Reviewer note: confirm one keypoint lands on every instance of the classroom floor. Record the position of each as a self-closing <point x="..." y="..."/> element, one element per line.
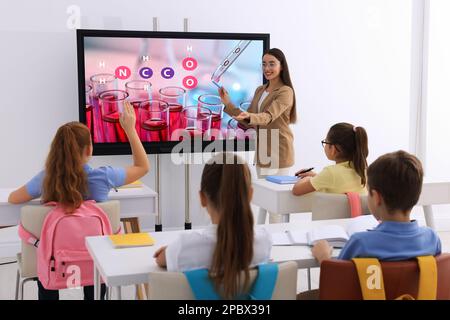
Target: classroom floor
<point x="8" y="277"/>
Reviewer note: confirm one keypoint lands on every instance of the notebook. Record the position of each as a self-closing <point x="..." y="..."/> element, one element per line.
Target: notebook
<point x="130" y="240"/>
<point x="135" y="184"/>
<point x="336" y="235"/>
<point x="283" y="179"/>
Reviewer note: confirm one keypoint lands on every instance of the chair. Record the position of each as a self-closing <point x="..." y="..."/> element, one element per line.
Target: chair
<point x="32" y="219"/>
<point x="334" y="206"/>
<point x="339" y="279"/>
<point x="174" y="285"/>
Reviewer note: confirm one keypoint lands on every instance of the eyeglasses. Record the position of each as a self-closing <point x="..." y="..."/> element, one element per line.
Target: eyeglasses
<point x="324" y="142"/>
<point x="270" y="65"/>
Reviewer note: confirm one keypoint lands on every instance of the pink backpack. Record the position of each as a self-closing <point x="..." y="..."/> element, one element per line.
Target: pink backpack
<point x="62" y="258"/>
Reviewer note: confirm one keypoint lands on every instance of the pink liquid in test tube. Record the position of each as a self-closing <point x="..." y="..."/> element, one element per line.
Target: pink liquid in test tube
<point x="100" y="83"/>
<point x="154" y="118"/>
<point x="196" y="121"/>
<point x="138" y="91"/>
<point x="176" y="99"/>
<point x="215" y="105"/>
<point x="89" y="113"/>
<point x="112" y="104"/>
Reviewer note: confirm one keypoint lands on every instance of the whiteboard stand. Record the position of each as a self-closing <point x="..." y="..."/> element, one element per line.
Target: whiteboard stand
<point x="158" y="223"/>
<point x="187" y="189"/>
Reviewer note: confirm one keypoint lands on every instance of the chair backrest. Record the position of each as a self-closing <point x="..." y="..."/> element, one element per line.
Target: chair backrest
<point x="334" y="206"/>
<point x="339" y="279"/>
<point x="174" y="285"/>
<point x="32" y="218"/>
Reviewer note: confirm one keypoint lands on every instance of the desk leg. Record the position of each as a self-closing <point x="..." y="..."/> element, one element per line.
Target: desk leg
<point x="429" y="217"/>
<point x="119" y="292"/>
<point x="97" y="284"/>
<point x="131" y="225"/>
<point x="262" y="214"/>
<point x="308" y="274"/>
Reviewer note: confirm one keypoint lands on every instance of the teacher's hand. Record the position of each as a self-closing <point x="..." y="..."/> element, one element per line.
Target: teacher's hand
<point x="242" y="116"/>
<point x="224" y="96"/>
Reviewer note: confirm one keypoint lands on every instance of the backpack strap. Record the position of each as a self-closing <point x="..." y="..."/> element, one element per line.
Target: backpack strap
<point x="27" y="236"/>
<point x="355" y="204"/>
<point x="201" y="286"/>
<point x="427" y="278"/>
<point x="262" y="289"/>
<point x="372" y="285"/>
<point x="370" y="278"/>
<point x="265" y="282"/>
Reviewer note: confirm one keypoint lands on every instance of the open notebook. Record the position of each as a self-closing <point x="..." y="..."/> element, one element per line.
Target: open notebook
<point x="336" y="235"/>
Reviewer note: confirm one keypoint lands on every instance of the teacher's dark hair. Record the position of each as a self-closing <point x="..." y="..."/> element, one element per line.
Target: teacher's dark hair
<point x="285" y="77"/>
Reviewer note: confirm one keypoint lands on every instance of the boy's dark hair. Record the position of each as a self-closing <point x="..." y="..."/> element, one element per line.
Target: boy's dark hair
<point x="398" y="177"/>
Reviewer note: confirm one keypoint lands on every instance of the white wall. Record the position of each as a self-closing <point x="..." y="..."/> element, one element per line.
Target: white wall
<point x="349" y="60"/>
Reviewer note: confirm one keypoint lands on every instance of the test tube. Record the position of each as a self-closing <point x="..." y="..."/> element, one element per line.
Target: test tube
<point x="89" y="113"/>
<point x="138" y="91"/>
<point x="154" y="118"/>
<point x="196" y="121"/>
<point x="176" y="99"/>
<point x="112" y="104"/>
<point x="215" y="105"/>
<point x="100" y="82"/>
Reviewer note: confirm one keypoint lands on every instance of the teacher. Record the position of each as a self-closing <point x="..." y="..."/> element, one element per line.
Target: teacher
<point x="272" y="108"/>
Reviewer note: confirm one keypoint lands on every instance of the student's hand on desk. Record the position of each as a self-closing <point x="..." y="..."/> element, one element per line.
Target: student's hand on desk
<point x="224" y="96"/>
<point x="160" y="256"/>
<point x="322" y="251"/>
<point x="242" y="116"/>
<point x="305" y="174"/>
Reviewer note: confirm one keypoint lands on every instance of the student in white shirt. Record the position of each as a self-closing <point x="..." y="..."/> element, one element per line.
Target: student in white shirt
<point x="231" y="244"/>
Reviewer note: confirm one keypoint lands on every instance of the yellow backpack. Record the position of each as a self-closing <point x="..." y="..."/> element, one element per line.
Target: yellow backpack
<point x="371" y="279"/>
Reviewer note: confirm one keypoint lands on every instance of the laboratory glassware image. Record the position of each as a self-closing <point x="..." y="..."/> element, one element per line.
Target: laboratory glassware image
<point x="176" y="99"/>
<point x="154" y="120"/>
<point x="138" y="91"/>
<point x="157" y="72"/>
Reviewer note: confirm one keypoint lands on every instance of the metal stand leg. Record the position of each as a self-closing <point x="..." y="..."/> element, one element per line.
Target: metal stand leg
<point x="308" y="274"/>
<point x="97" y="284"/>
<point x="187" y="222"/>
<point x="17" y="285"/>
<point x="119" y="292"/>
<point x="158" y="224"/>
<point x="22" y="289"/>
<point x="429" y="217"/>
<point x="187" y="218"/>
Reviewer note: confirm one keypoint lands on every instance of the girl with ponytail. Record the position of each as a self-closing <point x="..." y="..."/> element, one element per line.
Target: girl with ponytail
<point x="347" y="145"/>
<point x="69" y="180"/>
<point x="230" y="246"/>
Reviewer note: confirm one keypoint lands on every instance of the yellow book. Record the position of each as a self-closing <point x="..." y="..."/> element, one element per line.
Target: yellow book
<point x="130" y="240"/>
<point x="135" y="184"/>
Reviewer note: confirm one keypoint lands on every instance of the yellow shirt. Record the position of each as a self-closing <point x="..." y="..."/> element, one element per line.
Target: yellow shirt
<point x="338" y="178"/>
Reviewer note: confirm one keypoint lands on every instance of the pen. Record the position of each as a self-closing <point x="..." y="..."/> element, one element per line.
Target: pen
<point x="305" y="171"/>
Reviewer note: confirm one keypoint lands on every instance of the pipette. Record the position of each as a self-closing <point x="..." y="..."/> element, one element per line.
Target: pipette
<point x="228" y="61"/>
